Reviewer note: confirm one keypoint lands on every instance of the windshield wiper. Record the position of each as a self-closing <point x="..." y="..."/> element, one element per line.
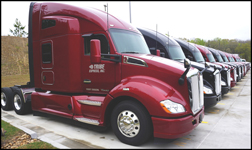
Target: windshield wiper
<point x="131" y="52"/>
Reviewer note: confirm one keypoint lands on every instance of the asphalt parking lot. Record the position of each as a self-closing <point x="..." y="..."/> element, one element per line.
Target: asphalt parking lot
<point x="226" y="125"/>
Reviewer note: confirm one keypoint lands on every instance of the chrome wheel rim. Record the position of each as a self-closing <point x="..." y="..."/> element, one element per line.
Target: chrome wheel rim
<point x="128" y="123"/>
<point x="17" y="102"/>
<point x="3" y="99"/>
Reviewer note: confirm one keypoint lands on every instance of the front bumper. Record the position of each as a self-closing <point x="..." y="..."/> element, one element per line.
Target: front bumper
<point x="233" y="83"/>
<point x="210" y="101"/>
<point x="176" y="128"/>
<point x="224" y="89"/>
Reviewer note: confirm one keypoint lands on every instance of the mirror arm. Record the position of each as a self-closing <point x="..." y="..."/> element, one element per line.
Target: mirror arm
<point x="182" y="78"/>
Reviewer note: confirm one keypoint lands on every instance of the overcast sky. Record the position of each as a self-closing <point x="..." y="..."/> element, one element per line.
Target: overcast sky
<point x="205" y="20"/>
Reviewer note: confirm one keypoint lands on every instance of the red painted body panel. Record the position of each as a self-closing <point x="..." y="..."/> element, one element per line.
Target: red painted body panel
<point x="175" y="128"/>
<point x="88" y="111"/>
<point x="52" y="104"/>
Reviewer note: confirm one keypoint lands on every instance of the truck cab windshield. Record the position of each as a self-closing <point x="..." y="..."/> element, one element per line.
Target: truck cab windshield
<point x="219" y="58"/>
<point x="210" y="57"/>
<point x="225" y="58"/>
<point x="175" y="52"/>
<point x="231" y="59"/>
<point x="198" y="56"/>
<point x="129" y="42"/>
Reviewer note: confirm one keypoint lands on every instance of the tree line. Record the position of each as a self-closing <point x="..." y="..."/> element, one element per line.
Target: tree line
<point x="233" y="46"/>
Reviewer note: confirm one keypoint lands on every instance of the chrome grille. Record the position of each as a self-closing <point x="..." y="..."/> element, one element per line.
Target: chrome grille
<point x="235" y="74"/>
<point x="196" y="84"/>
<point x="239" y="72"/>
<point x="228" y="77"/>
<point x="217" y="81"/>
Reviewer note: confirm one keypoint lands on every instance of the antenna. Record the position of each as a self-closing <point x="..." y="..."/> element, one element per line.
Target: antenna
<point x="108" y="28"/>
<point x="156" y="36"/>
<point x="130" y="10"/>
<point x="168" y="41"/>
<point x="107" y="17"/>
<point x="188" y="44"/>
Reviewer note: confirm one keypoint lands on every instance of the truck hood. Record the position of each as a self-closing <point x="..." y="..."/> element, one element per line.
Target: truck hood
<point x="160" y="61"/>
<point x="222" y="64"/>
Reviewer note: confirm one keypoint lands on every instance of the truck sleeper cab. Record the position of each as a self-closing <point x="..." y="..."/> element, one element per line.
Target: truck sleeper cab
<point x="103" y="74"/>
<point x="219" y="59"/>
<point x="170" y="49"/>
<point x="225" y="72"/>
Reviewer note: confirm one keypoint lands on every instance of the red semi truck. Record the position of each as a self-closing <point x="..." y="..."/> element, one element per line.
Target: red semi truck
<point x="91" y="67"/>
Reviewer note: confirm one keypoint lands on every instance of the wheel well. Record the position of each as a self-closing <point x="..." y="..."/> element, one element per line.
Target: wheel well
<point x="116" y="101"/>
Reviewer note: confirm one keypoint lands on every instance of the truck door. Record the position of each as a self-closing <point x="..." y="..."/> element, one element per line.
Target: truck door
<point x="97" y="78"/>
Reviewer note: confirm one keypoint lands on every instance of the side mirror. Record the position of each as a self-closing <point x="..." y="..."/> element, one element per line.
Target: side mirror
<point x="158" y="52"/>
<point x="207" y="65"/>
<point x="187" y="63"/>
<point x="95" y="51"/>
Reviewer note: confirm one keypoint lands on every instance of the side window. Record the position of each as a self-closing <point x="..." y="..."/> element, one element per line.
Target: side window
<point x="103" y="41"/>
<point x="48" y="23"/>
<point x="152" y="44"/>
<point x="47" y="53"/>
<point x="188" y="54"/>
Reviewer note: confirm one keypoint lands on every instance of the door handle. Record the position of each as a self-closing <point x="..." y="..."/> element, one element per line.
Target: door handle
<point x="87" y="81"/>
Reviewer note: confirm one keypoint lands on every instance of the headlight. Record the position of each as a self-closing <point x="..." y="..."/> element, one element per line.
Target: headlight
<point x="223" y="83"/>
<point x="231" y="79"/>
<point x="207" y="90"/>
<point x="172" y="107"/>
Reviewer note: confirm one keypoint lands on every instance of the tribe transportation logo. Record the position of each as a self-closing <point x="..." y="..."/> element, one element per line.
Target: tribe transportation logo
<point x="97" y="68"/>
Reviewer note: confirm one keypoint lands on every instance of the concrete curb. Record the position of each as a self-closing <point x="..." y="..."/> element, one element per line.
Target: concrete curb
<point x="34" y="135"/>
<point x="53" y="143"/>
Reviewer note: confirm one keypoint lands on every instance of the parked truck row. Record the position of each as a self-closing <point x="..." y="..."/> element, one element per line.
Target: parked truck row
<point x="91" y="67"/>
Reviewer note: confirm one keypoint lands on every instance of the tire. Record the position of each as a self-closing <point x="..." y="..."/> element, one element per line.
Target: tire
<point x="6" y="98"/>
<point x="19" y="106"/>
<point x="136" y="126"/>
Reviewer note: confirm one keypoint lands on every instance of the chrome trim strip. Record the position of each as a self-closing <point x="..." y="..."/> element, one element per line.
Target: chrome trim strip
<point x="217" y="79"/>
<point x="228" y="77"/>
<point x="89" y="121"/>
<point x="126" y="58"/>
<point x="235" y="74"/>
<point x="89" y="102"/>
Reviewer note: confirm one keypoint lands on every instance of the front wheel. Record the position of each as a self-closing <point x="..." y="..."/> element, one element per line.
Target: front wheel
<point x="131" y="123"/>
